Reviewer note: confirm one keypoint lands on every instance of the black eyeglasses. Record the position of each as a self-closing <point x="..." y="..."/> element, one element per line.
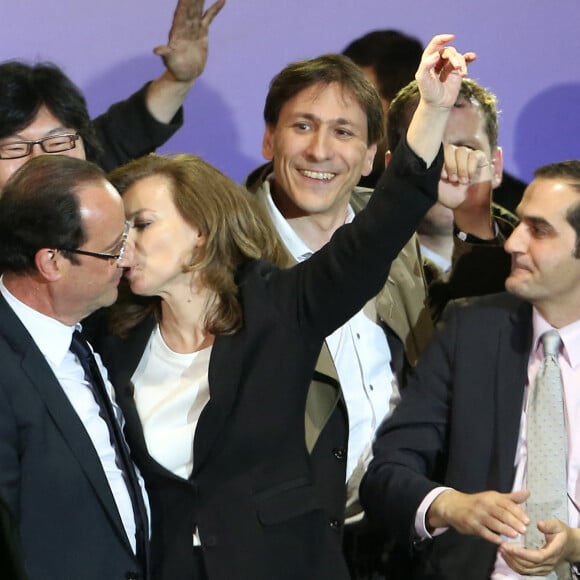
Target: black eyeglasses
<point x="118" y="257"/>
<point x="50" y="144"/>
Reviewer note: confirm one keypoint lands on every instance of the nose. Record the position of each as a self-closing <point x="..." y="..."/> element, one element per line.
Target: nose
<point x="128" y="258"/>
<point x="36" y="151"/>
<point x="319" y="146"/>
<point x="516" y="243"/>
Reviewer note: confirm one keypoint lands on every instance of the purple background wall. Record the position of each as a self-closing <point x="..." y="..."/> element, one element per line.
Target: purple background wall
<point x="528" y="55"/>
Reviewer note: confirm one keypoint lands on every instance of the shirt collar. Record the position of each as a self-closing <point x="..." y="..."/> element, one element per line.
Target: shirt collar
<point x="569" y="334"/>
<point x="294" y="244"/>
<point x="52" y="337"/>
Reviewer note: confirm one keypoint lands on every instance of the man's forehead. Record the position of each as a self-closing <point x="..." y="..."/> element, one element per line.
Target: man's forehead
<point x="467" y="123"/>
<point x="315" y="94"/>
<point x="548" y="196"/>
<point x="44" y="123"/>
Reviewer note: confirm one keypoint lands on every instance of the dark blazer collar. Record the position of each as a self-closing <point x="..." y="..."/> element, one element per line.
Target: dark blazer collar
<point x="255" y="179"/>
<point x="223" y="390"/>
<point x="66" y="420"/>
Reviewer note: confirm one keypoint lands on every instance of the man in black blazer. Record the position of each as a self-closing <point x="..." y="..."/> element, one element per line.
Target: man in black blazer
<point x="448" y="478"/>
<point x="40" y="106"/>
<point x="64" y="247"/>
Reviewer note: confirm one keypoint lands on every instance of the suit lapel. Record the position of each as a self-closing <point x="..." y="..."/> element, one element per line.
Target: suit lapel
<point x="514" y="349"/>
<point x="323" y="396"/>
<point x="62" y="413"/>
<point x="406" y="286"/>
<point x="122" y="359"/>
<point x="223" y="391"/>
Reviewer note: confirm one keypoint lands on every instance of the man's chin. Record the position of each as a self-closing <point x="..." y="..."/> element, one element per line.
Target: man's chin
<point x="518" y="287"/>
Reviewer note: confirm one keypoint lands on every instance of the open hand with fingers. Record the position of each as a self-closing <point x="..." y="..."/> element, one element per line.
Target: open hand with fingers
<point x="441" y="70"/>
<point x="185" y="54"/>
<point x="439" y="79"/>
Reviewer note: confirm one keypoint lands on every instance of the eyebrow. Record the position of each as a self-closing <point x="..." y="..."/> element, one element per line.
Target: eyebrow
<point x="133" y="215"/>
<point x="535" y="220"/>
<point x="55" y="131"/>
<point x="311" y="117"/>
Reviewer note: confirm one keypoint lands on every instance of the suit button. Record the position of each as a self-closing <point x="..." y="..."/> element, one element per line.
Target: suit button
<point x="335" y="524"/>
<point x="339" y="453"/>
<point x="210" y="542"/>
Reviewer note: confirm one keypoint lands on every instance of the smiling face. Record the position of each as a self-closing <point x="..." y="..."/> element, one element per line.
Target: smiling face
<point x="164" y="242"/>
<point x="545" y="270"/>
<point x="319" y="149"/>
<point x="45" y="124"/>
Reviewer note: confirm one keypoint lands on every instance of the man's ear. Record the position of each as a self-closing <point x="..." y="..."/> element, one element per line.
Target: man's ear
<point x="497" y="164"/>
<point x="268" y="143"/>
<point x="370" y="157"/>
<point x="388" y="157"/>
<point x="49" y="264"/>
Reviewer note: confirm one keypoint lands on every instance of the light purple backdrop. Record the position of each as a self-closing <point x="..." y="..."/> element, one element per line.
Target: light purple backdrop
<point x="528" y="55"/>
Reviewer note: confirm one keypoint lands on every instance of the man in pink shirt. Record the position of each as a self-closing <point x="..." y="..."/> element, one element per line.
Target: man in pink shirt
<point x="449" y="475"/>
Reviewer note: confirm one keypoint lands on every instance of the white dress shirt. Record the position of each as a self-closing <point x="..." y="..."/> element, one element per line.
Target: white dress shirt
<point x="53" y="339"/>
<point x="360" y="352"/>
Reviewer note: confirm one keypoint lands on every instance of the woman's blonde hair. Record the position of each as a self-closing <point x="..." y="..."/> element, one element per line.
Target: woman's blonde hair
<point x="233" y="224"/>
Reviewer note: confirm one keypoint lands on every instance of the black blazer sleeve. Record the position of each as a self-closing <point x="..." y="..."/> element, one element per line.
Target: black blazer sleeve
<point x="127" y="130"/>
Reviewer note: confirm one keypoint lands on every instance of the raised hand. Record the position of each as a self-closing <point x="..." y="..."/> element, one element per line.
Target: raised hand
<point x="185" y="54"/>
<point x="439" y="80"/>
<point x="441" y="70"/>
<point x="463" y="168"/>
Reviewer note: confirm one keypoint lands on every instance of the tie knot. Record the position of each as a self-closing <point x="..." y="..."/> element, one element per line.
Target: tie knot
<point x="551" y="342"/>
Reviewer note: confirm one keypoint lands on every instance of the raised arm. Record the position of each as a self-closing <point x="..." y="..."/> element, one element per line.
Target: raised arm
<point x="184" y="56"/>
<point x="147" y="119"/>
<point x="358" y="258"/>
<point x="439" y="80"/>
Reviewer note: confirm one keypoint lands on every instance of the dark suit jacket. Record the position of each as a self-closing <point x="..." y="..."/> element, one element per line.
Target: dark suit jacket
<point x="457" y="425"/>
<point x="50" y="475"/>
<point x="251" y="493"/>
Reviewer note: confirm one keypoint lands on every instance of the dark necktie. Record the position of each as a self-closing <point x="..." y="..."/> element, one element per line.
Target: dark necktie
<point x="81" y="349"/>
<point x="546" y="441"/>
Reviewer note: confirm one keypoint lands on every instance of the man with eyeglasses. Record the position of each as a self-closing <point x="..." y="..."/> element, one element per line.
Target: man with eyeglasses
<point x="65" y="472"/>
<point x="42" y="111"/>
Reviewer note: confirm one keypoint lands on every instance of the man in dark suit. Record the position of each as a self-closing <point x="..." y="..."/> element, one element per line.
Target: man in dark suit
<point x="64" y="246"/>
<point x="449" y="474"/>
